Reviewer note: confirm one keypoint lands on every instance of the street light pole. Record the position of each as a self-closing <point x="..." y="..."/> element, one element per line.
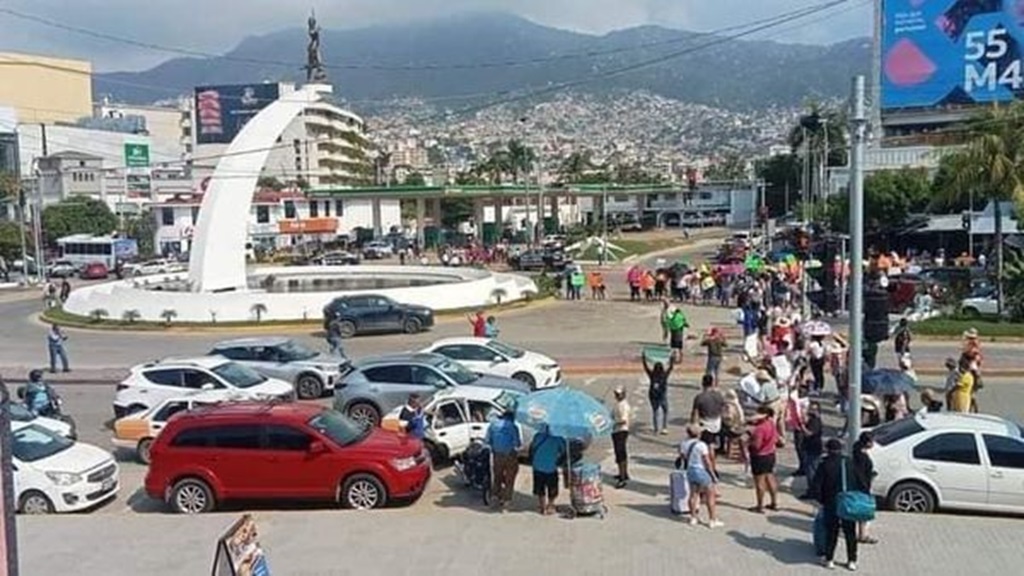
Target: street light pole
<point x="858" y="124"/>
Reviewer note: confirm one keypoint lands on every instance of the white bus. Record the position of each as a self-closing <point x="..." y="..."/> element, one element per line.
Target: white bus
<point x="83" y="249"/>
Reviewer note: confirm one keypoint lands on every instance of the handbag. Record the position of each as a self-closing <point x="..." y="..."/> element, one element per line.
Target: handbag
<point x="853" y="505"/>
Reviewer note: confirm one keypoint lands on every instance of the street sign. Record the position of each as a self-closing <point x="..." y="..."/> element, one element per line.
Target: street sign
<point x="136" y="155"/>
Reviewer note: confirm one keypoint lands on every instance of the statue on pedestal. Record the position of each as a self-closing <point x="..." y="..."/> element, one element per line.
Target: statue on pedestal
<point x="315" y="72"/>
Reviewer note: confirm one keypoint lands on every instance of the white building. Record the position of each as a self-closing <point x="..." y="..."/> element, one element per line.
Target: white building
<point x="277" y="220"/>
<point x="879" y="159"/>
<point x="168" y="127"/>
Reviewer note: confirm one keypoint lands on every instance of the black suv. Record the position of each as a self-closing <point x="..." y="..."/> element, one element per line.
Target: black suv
<point x="369" y="313"/>
<point x="539" y="260"/>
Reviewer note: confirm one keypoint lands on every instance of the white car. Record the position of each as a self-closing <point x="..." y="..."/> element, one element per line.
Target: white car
<point x="456" y="416"/>
<point x="158" y="266"/>
<point x="981" y="304"/>
<point x="56" y="474"/>
<point x="950" y="460"/>
<point x="489" y="356"/>
<point x="151" y="384"/>
<point x="21" y="415"/>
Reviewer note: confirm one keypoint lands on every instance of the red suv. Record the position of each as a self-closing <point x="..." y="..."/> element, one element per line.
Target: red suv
<point x="249" y="451"/>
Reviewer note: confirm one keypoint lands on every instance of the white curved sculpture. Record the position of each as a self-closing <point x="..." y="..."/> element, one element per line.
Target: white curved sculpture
<point x="217" y="259"/>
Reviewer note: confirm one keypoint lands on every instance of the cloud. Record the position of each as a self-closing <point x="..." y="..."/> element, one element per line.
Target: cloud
<point x="218" y="25"/>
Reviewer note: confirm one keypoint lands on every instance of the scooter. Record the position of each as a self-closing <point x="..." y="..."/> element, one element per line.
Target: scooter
<point x="54" y="408"/>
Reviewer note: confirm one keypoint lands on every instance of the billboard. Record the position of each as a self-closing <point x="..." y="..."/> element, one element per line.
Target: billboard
<point x="222" y="111"/>
<point x="951" y="52"/>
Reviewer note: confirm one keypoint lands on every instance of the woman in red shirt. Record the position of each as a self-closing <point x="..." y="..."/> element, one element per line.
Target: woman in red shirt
<point x="764" y="437"/>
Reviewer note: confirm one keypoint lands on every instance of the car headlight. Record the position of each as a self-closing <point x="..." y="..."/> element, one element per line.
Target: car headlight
<point x="548" y="366"/>
<point x="64" y="478"/>
<point x="403" y="464"/>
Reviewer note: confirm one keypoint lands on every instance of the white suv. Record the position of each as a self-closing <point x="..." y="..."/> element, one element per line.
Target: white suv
<point x="150" y="384"/>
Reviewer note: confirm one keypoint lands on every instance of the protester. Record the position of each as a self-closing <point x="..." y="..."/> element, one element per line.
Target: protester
<point x="960" y="396"/>
<point x="411" y="417"/>
<point x="56" y="339"/>
<point x="902" y="338"/>
<point x="622" y="415"/>
<point x="701" y="474"/>
<point x="732" y="423"/>
<point x="504" y="439"/>
<point x="716" y="344"/>
<point x="633" y="279"/>
<point x="491" y="329"/>
<point x="707" y="410"/>
<point x="827" y="485"/>
<point x="816" y="359"/>
<point x="65" y="290"/>
<point x="334" y="339"/>
<point x="676" y="324"/>
<point x="577" y="279"/>
<point x="545" y="452"/>
<point x="764" y="437"/>
<point x="657" y="393"/>
<point x="864" y="473"/>
<point x="479" y="324"/>
<point x="812" y="445"/>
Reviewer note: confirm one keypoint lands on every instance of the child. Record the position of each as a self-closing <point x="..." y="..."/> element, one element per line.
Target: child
<point x="491" y="328"/>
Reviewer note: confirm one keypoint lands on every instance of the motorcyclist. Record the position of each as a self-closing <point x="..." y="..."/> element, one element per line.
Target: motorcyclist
<point x="38" y="396"/>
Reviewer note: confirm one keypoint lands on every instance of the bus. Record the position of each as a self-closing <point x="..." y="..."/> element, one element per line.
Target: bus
<point x="83" y="249"/>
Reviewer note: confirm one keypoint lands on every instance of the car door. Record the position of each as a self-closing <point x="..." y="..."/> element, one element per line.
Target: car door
<point x="387" y="315"/>
<point x="951" y="460"/>
<point x="1005" y="472"/>
<point x="158" y="385"/>
<point x="480" y="415"/>
<point x="391" y="385"/>
<point x="450" y="425"/>
<point x="267" y="361"/>
<point x="195" y="380"/>
<point x="294" y="470"/>
<point x="230" y="455"/>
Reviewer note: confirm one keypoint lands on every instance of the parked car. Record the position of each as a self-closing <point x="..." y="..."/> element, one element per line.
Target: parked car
<point x="136" y="432"/>
<point x="21" y="414"/>
<point x="538" y="260"/>
<point x="337" y="259"/>
<point x="489" y="356"/>
<point x="281" y="451"/>
<point x="25" y="267"/>
<point x="376" y="386"/>
<point x="949" y="460"/>
<point x="378" y="250"/>
<point x="61" y="269"/>
<point x="982" y="302"/>
<point x="94" y="271"/>
<point x="457" y="416"/>
<point x="311" y="372"/>
<point x="152" y="383"/>
<point x="53" y="473"/>
<point x="158" y="266"/>
<point x="369" y="313"/>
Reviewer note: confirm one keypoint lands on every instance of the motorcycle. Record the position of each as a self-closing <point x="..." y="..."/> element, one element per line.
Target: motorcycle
<point x="54" y="407"/>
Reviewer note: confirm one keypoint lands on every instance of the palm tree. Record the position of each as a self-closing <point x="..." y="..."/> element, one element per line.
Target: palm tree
<point x="98" y="314"/>
<point x="991" y="166"/>
<point x="575" y="166"/>
<point x="521" y="159"/>
<point x="258" y="310"/>
<point x="818" y="130"/>
<point x="169" y="316"/>
<point x="131" y="316"/>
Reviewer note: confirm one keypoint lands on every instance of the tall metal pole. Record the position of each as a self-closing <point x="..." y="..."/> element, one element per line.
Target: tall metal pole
<point x="858" y="124"/>
<point x="8" y="530"/>
<point x="876" y="74"/>
<point x="970" y="223"/>
<point x="604" y="226"/>
<point x="805" y="185"/>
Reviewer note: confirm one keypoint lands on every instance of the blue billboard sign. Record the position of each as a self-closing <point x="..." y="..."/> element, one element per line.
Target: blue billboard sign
<point x="951" y="52"/>
<point x="222" y="111"/>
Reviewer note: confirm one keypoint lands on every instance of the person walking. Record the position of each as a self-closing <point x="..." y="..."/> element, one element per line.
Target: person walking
<point x="505" y="441"/>
<point x="622" y="416"/>
<point x="715" y="342"/>
<point x="902" y="338"/>
<point x="411" y="418"/>
<point x="816" y="359"/>
<point x="657" y="393"/>
<point x="479" y="324"/>
<point x="764" y="437"/>
<point x="864" y="475"/>
<point x="707" y="410"/>
<point x="701" y="474"/>
<point x="835" y="473"/>
<point x="65" y="290"/>
<point x="55" y="340"/>
<point x="578" y="280"/>
<point x="545" y="452"/>
<point x="334" y="339"/>
<point x="677" y="324"/>
<point x="812" y="445"/>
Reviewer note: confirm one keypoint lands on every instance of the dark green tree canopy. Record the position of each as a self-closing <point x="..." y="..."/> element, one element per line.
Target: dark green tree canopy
<point x="77" y="215"/>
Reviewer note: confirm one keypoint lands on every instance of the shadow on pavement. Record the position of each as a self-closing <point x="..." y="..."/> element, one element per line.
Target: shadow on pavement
<point x="661" y="511"/>
<point x="798" y="523"/>
<point x="789" y="551"/>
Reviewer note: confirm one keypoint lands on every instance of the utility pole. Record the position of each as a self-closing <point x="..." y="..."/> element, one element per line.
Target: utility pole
<point x="858" y="125"/>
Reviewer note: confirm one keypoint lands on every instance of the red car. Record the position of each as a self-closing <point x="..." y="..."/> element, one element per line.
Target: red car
<point x="94" y="271"/>
<point x="255" y="451"/>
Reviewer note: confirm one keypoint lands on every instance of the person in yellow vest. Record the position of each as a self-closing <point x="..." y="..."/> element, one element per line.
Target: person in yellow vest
<point x="960" y="398"/>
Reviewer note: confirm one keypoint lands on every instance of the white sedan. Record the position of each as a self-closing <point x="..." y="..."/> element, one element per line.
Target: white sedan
<point x="488" y="356"/>
<point x="949" y="460"/>
<point x="56" y="474"/>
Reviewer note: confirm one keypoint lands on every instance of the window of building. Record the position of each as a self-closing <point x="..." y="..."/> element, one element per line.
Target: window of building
<point x="167" y="216"/>
<point x="339" y="208"/>
<point x="314" y="209"/>
<point x="327" y="208"/>
<point x="262" y="214"/>
<point x="195" y="215"/>
<point x="289" y="209"/>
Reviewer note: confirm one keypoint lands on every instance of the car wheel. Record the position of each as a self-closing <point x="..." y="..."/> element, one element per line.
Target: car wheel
<point x="526" y="378"/>
<point x="365" y="413"/>
<point x="191" y="496"/>
<point x="346" y="328"/>
<point x="35" y="502"/>
<point x="971" y="313"/>
<point x="412" y="326"/>
<point x="438" y="453"/>
<point x="309" y="387"/>
<point x="912" y="497"/>
<point x="363" y="492"/>
<point x="143" y="450"/>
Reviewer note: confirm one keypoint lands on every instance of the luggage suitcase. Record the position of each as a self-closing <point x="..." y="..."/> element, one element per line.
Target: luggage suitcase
<point x="819" y="533"/>
<point x="679" y="492"/>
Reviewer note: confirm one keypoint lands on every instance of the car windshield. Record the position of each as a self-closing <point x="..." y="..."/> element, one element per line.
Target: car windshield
<point x="239" y="376"/>
<point x="33" y="443"/>
<point x="457" y="372"/>
<point x="506" y="349"/>
<point x="895" y="431"/>
<point x="292" y="351"/>
<point x="338" y="427"/>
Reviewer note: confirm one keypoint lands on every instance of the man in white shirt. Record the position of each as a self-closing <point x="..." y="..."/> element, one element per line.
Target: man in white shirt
<point x="622" y="417"/>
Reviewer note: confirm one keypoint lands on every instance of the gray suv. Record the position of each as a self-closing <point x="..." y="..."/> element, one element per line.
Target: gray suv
<point x="375" y="386"/>
<point x="311" y="372"/>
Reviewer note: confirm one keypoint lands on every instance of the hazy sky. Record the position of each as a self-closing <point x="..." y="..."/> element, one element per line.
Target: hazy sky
<point x="218" y="25"/>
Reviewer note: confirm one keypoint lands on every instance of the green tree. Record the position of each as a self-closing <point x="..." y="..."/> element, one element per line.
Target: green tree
<point x="270" y="182"/>
<point x="10" y="241"/>
<point x="521" y="160"/>
<point x="821" y="129"/>
<point x="575" y="167"/>
<point x="781" y="176"/>
<point x="732" y="167"/>
<point x="414" y="179"/>
<point x="142" y="229"/>
<point x="77" y="215"/>
<point x="890" y="196"/>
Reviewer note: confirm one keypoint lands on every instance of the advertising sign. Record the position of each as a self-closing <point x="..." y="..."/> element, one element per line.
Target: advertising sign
<point x="222" y="111"/>
<point x="239" y="552"/>
<point x="951" y="52"/>
<point x="136" y="155"/>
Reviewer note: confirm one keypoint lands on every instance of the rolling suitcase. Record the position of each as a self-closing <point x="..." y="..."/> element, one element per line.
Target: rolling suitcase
<point x="819" y="533"/>
<point x="679" y="492"/>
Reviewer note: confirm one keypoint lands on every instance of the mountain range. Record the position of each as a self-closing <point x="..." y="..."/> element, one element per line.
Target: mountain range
<point x="477" y="57"/>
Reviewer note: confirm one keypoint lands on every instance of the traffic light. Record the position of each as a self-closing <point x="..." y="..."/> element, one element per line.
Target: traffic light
<point x="876" y="315"/>
<point x="965" y="221"/>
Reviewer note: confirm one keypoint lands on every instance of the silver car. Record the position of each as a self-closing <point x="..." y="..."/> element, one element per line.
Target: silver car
<point x="375" y="386"/>
<point x="311" y="372"/>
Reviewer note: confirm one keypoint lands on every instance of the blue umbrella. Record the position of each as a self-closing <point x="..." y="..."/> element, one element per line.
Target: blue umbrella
<point x="567" y="413"/>
<point x="887" y="381"/>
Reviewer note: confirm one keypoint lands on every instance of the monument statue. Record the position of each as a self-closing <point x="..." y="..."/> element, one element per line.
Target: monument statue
<point x="315" y="72"/>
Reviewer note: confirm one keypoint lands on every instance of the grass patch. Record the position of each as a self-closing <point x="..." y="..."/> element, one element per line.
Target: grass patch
<point x="631" y="248"/>
<point x="955" y="327"/>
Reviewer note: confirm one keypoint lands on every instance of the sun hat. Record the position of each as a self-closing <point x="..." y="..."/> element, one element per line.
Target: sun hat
<point x="763" y="376"/>
<point x="971" y="333"/>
